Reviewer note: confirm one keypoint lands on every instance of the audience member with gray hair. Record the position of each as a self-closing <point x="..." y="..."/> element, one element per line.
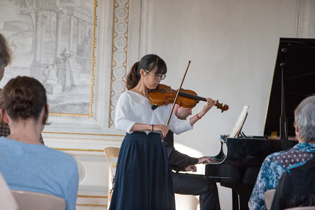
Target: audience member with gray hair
<point x="296" y="186"/>
<point x="277" y="163"/>
<point x="304" y="120"/>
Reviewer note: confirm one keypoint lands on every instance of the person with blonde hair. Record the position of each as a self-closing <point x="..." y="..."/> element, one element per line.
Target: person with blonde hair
<point x="6" y="56"/>
<point x="5" y="60"/>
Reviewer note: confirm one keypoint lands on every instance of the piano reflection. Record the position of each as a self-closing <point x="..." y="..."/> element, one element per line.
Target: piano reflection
<point x="293" y="81"/>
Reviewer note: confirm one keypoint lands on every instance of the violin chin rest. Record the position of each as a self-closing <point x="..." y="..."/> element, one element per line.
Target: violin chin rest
<point x="153" y="107"/>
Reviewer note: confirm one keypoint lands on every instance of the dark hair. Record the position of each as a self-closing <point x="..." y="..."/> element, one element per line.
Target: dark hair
<point x="147" y="62"/>
<point x="5" y="52"/>
<point x="24" y="98"/>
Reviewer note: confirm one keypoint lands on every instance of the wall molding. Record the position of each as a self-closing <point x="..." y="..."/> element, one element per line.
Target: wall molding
<point x="119" y="54"/>
<point x="303" y="15"/>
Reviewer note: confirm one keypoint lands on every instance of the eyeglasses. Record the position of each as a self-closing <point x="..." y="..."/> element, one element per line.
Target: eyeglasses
<point x="157" y="76"/>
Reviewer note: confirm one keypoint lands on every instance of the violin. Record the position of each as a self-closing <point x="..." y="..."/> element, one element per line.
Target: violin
<point x="164" y="95"/>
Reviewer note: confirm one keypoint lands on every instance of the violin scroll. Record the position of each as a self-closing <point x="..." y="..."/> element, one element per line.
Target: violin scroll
<point x="221" y="106"/>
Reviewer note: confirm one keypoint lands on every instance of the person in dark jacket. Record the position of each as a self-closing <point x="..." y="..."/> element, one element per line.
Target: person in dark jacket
<point x="190" y="184"/>
<point x="296" y="187"/>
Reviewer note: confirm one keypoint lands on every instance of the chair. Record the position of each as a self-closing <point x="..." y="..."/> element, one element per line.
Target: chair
<point x="269" y="194"/>
<point x="33" y="200"/>
<point x="7" y="200"/>
<point x="188" y="202"/>
<point x="111" y="154"/>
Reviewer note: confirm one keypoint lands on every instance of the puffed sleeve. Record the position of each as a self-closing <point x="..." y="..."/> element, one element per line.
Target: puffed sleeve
<point x="179" y="126"/>
<point x="122" y="121"/>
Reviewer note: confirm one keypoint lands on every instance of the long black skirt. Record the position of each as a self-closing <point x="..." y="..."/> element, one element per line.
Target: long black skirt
<point x="143" y="177"/>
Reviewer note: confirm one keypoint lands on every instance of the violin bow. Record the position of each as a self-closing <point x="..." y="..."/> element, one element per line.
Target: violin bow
<point x="180" y="87"/>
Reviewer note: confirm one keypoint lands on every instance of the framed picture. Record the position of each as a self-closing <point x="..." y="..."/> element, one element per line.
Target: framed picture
<point x="52" y="41"/>
<point x="78" y="50"/>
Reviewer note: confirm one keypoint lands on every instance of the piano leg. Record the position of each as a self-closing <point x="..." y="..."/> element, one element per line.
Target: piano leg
<point x="244" y="198"/>
<point x="240" y="195"/>
<point x="234" y="200"/>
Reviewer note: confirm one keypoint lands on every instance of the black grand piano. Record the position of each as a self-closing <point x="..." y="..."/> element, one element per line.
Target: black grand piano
<point x="294" y="80"/>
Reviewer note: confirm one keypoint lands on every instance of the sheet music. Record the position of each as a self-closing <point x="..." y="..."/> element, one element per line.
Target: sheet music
<point x="239" y="122"/>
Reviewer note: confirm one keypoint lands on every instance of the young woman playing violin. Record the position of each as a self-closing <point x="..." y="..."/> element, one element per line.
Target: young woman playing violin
<point x="143" y="176"/>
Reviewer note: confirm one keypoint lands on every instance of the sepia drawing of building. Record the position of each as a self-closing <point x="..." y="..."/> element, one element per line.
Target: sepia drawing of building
<point x="54" y="36"/>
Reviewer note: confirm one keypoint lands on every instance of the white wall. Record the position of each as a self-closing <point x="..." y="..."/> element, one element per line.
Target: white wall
<point x="232" y="46"/>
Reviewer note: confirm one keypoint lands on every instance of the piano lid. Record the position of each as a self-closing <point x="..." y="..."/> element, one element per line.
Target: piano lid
<point x="299" y="81"/>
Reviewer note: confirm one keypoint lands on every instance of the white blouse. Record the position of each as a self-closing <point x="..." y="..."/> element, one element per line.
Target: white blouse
<point x="134" y="108"/>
